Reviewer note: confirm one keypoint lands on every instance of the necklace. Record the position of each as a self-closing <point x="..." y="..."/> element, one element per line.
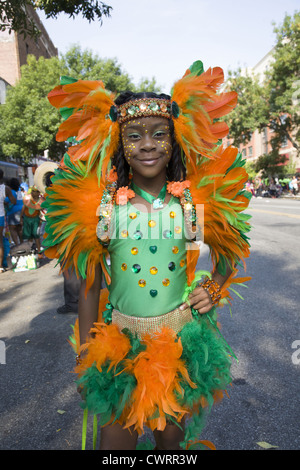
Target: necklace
<point x="157" y="202"/>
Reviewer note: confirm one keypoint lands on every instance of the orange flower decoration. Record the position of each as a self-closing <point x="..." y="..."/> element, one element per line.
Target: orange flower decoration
<point x="112" y="175"/>
<point x="176" y="188"/>
<point x="123" y="194"/>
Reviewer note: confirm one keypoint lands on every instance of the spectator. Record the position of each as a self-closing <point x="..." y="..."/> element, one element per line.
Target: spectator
<point x="71" y="292"/>
<point x="294" y="185"/>
<point x="30" y="216"/>
<point x="272" y="189"/>
<point x="13" y="214"/>
<point x="5" y="191"/>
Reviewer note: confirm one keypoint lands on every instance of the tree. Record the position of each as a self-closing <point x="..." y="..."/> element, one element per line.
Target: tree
<point x="88" y="66"/>
<point x="28" y="123"/>
<point x="252" y="110"/>
<point x="14" y="17"/>
<point x="145" y="84"/>
<point x="271" y="164"/>
<point x="272" y="103"/>
<point x="283" y="80"/>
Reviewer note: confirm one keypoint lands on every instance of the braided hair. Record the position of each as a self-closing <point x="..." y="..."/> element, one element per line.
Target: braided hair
<point x="175" y="170"/>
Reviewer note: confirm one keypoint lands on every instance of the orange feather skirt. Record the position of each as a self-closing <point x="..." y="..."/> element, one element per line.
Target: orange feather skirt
<point x="161" y="378"/>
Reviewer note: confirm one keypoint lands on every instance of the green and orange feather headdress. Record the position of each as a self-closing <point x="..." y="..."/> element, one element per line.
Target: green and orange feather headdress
<point x="92" y="118"/>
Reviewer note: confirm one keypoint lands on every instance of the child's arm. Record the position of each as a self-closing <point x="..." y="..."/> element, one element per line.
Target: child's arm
<point x="88" y="305"/>
<point x="199" y="299"/>
<point x="10" y="195"/>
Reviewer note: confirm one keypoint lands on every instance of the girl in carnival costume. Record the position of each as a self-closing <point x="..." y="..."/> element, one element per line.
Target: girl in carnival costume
<point x="145" y="181"/>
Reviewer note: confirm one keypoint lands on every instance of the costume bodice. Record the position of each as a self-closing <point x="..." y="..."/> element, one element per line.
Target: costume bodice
<point x="148" y="259"/>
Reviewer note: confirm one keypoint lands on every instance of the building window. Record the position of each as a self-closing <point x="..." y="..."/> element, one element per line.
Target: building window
<point x="250" y="151"/>
<point x="244" y="152"/>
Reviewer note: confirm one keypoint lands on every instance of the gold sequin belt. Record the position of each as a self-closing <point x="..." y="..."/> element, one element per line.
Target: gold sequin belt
<point x="176" y="319"/>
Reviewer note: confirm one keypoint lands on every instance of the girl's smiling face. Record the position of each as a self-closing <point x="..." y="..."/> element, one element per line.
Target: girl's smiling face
<point x="147" y="145"/>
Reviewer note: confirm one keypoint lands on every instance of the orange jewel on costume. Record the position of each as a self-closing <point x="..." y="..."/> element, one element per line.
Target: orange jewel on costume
<point x="123" y="195"/>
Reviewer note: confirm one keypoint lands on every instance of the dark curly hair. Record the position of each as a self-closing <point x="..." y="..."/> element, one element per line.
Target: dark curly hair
<point x="176" y="168"/>
<point x="14" y="184"/>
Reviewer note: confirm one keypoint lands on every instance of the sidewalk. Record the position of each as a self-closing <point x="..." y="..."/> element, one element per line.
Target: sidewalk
<point x="39" y="402"/>
<point x="290" y="196"/>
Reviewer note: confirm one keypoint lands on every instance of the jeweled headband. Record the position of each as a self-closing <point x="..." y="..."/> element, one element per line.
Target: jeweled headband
<point x="143" y="107"/>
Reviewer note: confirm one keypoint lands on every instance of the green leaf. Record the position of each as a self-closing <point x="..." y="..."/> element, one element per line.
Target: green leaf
<point x="266" y="445"/>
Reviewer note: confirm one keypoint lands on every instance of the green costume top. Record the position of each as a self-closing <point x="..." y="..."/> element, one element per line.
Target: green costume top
<point x="148" y="259"/>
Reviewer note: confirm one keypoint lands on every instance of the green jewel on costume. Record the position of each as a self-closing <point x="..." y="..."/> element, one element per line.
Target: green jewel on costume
<point x="154" y="283"/>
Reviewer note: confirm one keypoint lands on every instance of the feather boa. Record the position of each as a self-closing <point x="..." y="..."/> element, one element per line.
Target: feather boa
<point x="164" y="377"/>
<point x="70" y="233"/>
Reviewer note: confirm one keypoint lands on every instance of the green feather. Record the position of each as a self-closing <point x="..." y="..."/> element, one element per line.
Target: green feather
<point x="66" y="112"/>
<point x="238" y="162"/>
<point x="197" y="68"/>
<point x="222" y="265"/>
<point x="65" y="80"/>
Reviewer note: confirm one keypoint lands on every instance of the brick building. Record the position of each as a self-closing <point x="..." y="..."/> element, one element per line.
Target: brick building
<point x="14" y="49"/>
<point x="259" y="144"/>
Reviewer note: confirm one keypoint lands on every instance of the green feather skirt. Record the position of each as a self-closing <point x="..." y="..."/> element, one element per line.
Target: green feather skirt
<point x="158" y="380"/>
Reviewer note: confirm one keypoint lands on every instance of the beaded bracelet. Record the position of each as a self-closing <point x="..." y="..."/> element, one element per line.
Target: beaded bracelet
<point x="78" y="360"/>
<point x="213" y="289"/>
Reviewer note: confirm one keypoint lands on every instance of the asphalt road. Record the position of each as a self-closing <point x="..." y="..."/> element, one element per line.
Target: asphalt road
<point x="39" y="405"/>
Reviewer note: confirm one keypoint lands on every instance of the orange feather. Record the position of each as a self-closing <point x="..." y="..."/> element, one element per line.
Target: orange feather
<point x="158" y="371"/>
<point x="199" y="105"/>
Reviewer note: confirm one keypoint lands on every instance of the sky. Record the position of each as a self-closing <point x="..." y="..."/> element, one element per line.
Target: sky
<point x="162" y="38"/>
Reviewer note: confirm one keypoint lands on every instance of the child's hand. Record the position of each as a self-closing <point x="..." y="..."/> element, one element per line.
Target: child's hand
<point x="81" y="391"/>
<point x="199" y="299"/>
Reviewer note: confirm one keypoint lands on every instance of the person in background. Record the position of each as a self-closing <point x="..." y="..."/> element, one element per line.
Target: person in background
<point x="13" y="214"/>
<point x="71" y="292"/>
<point x="294" y="185"/>
<point x="272" y="189"/>
<point x="5" y="191"/>
<point x="30" y="216"/>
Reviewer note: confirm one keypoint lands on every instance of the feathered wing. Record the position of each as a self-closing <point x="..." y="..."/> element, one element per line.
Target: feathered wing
<point x="72" y="203"/>
<point x="86" y="106"/>
<point x="218" y="188"/>
<point x="200" y="106"/>
<point x="217" y="175"/>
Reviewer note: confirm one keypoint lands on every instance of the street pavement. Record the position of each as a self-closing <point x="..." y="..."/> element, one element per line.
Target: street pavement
<point x="39" y="404"/>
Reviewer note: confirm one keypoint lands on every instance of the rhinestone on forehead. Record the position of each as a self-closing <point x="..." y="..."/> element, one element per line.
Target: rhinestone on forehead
<point x="143" y="108"/>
